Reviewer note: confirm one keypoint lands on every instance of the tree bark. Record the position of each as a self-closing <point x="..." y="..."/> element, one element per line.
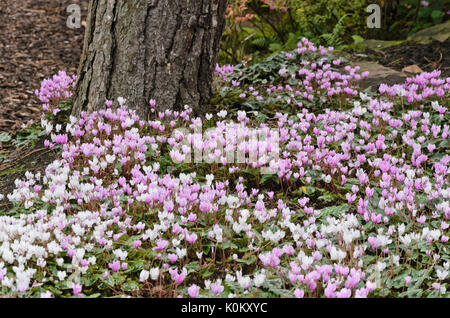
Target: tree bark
<point x="149" y="49"/>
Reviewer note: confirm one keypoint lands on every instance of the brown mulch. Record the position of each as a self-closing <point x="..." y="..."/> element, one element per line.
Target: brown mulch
<point x="35" y="43"/>
<point x="428" y="57"/>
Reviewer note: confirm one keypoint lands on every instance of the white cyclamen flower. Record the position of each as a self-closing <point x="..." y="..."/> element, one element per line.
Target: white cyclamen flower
<point x="154" y="273"/>
<point x="144" y="275"/>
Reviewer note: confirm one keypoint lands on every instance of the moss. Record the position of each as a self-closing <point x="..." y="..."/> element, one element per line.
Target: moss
<point x="13" y="170"/>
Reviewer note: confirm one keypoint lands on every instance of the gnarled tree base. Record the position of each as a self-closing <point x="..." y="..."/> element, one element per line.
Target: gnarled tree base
<point x="149" y="49"/>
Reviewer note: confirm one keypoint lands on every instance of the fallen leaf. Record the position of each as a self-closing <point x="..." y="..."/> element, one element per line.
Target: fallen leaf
<point x="412" y="69"/>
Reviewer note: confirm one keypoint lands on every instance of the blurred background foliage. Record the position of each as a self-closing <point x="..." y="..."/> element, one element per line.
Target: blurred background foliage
<point x="258" y="28"/>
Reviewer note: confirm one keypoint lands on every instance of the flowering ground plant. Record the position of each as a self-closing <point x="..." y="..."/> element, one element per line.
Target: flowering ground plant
<point x="354" y="201"/>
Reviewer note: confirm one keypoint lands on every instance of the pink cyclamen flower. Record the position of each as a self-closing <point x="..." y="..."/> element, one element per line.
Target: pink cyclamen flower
<point x="330" y="291"/>
<point x="299" y="293"/>
<point x="71" y="253"/>
<point x="191" y="238"/>
<point x="76" y="289"/>
<point x="172" y="258"/>
<point x="115" y="266"/>
<point x="193" y="291"/>
<point x="161" y="245"/>
<point x="373" y="241"/>
<point x="371" y="286"/>
<point x="422" y="219"/>
<point x="217" y="288"/>
<point x="407" y="280"/>
<point x="344" y="293"/>
<point x="61" y="139"/>
<point x="178" y="278"/>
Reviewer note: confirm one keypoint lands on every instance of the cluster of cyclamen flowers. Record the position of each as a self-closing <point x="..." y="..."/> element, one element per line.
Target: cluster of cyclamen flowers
<point x="315" y="78"/>
<point x="223" y="71"/>
<point x="54" y="90"/>
<point x="108" y="199"/>
<point x="420" y="88"/>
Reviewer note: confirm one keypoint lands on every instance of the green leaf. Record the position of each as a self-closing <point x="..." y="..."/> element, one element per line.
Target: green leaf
<point x="328" y="197"/>
<point x="436" y="14"/>
<point x="110" y="281"/>
<point x="275" y="287"/>
<point x="4" y="137"/>
<point x="357" y="39"/>
<point x="335" y="211"/>
<point x="274" y="47"/>
<point x="425" y="13"/>
<point x="267" y="177"/>
<point x="193" y="267"/>
<point x="206" y="273"/>
<point x="433" y="294"/>
<point x="414" y="293"/>
<point x="248" y="261"/>
<point x="89" y="280"/>
<point x="54" y="290"/>
<point x="130" y="286"/>
<point x="229" y="244"/>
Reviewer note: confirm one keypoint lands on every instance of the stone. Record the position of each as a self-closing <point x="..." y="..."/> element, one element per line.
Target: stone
<point x="379" y="74"/>
<point x="379" y="44"/>
<point x="439" y="32"/>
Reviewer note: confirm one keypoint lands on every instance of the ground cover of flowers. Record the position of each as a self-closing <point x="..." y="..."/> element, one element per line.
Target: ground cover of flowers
<point x="357" y="206"/>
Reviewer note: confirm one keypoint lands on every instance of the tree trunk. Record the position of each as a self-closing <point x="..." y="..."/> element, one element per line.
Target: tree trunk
<point x="149" y="49"/>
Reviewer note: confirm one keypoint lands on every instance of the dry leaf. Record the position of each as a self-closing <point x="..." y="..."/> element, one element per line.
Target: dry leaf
<point x="412" y="69"/>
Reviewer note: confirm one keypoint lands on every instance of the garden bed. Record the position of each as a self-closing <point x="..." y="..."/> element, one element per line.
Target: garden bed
<point x="357" y="204"/>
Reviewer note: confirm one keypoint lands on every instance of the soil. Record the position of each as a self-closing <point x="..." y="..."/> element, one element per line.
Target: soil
<point x="428" y="57"/>
<point x="35" y="43"/>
